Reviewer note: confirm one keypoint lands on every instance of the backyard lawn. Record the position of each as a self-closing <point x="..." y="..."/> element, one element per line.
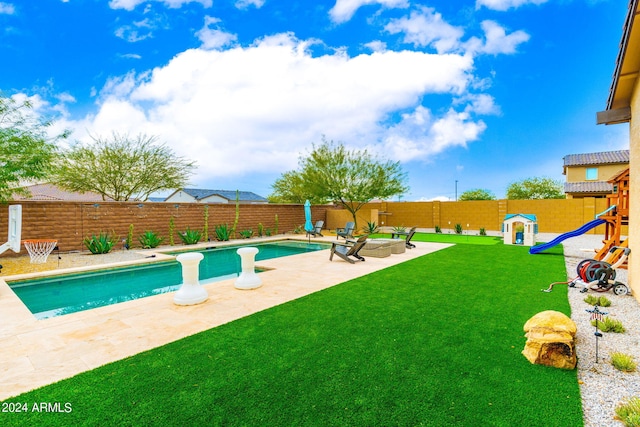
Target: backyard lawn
<point x="431" y="342"/>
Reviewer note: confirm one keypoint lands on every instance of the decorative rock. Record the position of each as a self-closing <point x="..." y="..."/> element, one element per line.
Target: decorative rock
<point x="551" y="340"/>
<point x="191" y="292"/>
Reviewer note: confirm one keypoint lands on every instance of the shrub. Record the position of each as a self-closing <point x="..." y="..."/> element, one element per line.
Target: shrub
<point x="260" y="229"/>
<point x="609" y="325"/>
<point x="483" y="232"/>
<point x="438" y="229"/>
<point x="623" y="362"/>
<point x="399" y="229"/>
<point x="149" y="240"/>
<point x="298" y="229"/>
<point x="629" y="412"/>
<point x="222" y="232"/>
<point x="458" y="228"/>
<point x="601" y="301"/>
<point x="246" y="234"/>
<point x="100" y="244"/>
<point x="370" y="228"/>
<point x="190" y="237"/>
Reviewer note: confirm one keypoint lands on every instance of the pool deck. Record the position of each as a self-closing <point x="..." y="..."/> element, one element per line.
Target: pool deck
<point x="34" y="353"/>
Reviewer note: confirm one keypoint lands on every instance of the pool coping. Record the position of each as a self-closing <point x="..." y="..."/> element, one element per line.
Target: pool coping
<point x="34" y="353"/>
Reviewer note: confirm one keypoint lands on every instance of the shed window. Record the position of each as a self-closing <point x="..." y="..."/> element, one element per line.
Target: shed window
<point x="592" y="174"/>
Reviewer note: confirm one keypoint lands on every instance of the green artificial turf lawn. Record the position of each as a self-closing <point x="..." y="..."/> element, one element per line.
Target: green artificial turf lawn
<point x="449" y="238"/>
<point x="435" y="341"/>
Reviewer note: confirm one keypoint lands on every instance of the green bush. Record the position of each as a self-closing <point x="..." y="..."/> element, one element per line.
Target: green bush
<point x="458" y="228"/>
<point x="190" y="237"/>
<point x="623" y="362"/>
<point x="149" y="239"/>
<point x="100" y="244"/>
<point x="483" y="232"/>
<point x="601" y="301"/>
<point x="609" y="325"/>
<point x="629" y="412"/>
<point x="246" y="234"/>
<point x="438" y="229"/>
<point x="222" y="232"/>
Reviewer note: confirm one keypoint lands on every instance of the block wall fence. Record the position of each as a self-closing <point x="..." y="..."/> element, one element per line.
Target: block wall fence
<point x="71" y="222"/>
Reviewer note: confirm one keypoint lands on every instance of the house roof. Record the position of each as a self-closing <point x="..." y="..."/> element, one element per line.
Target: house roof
<point x="588" y="187"/>
<point x="601" y="158"/>
<point x="200" y="194"/>
<point x="51" y="192"/>
<point x="530" y="217"/>
<point x="625" y="74"/>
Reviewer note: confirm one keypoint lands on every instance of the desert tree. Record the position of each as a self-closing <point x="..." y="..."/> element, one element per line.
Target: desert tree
<point x="535" y="188"/>
<point x="122" y="167"/>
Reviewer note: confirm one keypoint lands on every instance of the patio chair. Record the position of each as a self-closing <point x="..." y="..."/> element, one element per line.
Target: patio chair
<point x="317" y="230"/>
<point x="349" y="250"/>
<point x="408" y="235"/>
<point x="346" y="232"/>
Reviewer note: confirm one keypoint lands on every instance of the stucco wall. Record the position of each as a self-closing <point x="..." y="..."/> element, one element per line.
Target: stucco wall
<point x="605" y="172"/>
<point x="634" y="202"/>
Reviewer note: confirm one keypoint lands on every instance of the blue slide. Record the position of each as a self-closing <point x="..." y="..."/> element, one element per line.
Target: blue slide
<point x="588" y="226"/>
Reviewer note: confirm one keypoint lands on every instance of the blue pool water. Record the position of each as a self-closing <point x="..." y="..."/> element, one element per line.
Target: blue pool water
<point x="58" y="295"/>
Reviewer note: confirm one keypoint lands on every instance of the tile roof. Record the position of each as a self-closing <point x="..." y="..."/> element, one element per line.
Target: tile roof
<point x="50" y="192"/>
<point x="200" y="194"/>
<point x="588" y="187"/>
<point x="601" y="158"/>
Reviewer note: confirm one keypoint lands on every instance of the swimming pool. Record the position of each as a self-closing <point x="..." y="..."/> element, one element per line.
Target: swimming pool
<point x="70" y="293"/>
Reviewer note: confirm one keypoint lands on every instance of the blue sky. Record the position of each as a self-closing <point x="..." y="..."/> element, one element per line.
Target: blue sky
<point x="482" y="93"/>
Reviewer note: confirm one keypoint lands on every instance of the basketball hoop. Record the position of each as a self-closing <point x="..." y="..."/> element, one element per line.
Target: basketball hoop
<point x="39" y="249"/>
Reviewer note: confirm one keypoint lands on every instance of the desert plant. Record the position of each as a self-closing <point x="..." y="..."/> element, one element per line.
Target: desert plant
<point x="268" y="232"/>
<point x="129" y="242"/>
<point x="205" y="229"/>
<point x="623" y="362"/>
<point x="298" y="229"/>
<point x="190" y="237"/>
<point x="458" y="228"/>
<point x="246" y="234"/>
<point x="149" y="240"/>
<point x="237" y="217"/>
<point x="601" y="301"/>
<point x="222" y="232"/>
<point x="629" y="412"/>
<point x="399" y="229"/>
<point x="370" y="228"/>
<point x="483" y="231"/>
<point x="172" y="229"/>
<point x="260" y="229"/>
<point x="438" y="229"/>
<point x="609" y="325"/>
<point x="276" y="226"/>
<point x="101" y="243"/>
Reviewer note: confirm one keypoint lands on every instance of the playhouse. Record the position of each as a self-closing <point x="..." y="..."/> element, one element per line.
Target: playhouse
<point x="520" y="229"/>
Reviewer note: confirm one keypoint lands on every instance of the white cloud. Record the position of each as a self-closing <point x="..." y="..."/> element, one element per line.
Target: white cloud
<point x="426" y="27"/>
<point x="497" y="41"/>
<point x="244" y="4"/>
<point x="255" y="109"/>
<point x="212" y="36"/>
<point x="7" y="9"/>
<point x="137" y="31"/>
<point x="503" y="5"/>
<point x="376" y="46"/>
<point x="174" y="4"/>
<point x="419" y="135"/>
<point x="344" y="10"/>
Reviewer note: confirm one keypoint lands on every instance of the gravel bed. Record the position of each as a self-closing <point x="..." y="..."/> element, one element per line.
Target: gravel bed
<point x="602" y="387"/>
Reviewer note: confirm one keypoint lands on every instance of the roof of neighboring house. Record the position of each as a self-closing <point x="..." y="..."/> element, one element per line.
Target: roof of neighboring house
<point x="588" y="187"/>
<point x="200" y="194"/>
<point x="53" y="193"/>
<point x="601" y="158"/>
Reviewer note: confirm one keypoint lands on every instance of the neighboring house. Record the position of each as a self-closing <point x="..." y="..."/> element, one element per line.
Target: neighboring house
<point x="196" y="195"/>
<point x="588" y="174"/>
<point x="50" y="192"/>
<point x="623" y="106"/>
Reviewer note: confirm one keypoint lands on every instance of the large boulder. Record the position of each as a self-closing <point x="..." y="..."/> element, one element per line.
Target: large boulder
<point x="551" y="340"/>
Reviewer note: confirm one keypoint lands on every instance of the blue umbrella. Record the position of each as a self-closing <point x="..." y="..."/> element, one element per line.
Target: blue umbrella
<point x="308" y="226"/>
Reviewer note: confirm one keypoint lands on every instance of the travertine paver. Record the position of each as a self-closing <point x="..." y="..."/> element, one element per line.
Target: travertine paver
<point x="34" y="352"/>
